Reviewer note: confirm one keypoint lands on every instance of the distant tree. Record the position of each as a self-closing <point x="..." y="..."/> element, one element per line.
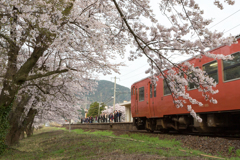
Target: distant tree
<point x="93" y="110"/>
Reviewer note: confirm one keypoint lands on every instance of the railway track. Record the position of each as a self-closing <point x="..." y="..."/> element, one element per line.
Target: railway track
<point x="128" y="127"/>
<point x="226" y="136"/>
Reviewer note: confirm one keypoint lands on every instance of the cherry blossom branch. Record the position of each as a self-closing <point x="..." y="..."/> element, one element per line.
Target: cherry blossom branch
<point x="190" y="21"/>
<point x="32" y="77"/>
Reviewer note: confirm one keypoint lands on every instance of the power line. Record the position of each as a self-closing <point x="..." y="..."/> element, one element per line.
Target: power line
<point x="131" y="77"/>
<point x="232" y="28"/>
<point x="134" y="70"/>
<point x="224" y="19"/>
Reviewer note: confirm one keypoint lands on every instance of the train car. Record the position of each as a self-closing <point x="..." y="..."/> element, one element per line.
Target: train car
<point x="153" y="108"/>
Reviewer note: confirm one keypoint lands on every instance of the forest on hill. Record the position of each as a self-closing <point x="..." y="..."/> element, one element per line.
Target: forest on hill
<point x="104" y="93"/>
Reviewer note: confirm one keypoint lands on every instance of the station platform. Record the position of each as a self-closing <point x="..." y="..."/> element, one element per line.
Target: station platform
<point x="123" y="126"/>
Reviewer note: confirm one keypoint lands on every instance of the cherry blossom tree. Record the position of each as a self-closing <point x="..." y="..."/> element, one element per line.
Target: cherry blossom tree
<point x="48" y="99"/>
<point x="41" y="39"/>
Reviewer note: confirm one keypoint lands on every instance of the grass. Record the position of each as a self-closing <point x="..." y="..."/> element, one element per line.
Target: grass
<point x="230" y="149"/>
<point x="238" y="152"/>
<point x="54" y="143"/>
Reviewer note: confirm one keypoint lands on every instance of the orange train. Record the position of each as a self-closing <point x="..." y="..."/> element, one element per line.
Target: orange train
<point x="153" y="109"/>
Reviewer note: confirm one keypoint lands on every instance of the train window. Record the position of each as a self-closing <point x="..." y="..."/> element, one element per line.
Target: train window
<point x="150" y="90"/>
<point x="231" y="68"/>
<point x="212" y="70"/>
<point x="191" y="85"/>
<point x="132" y="91"/>
<point x="155" y="89"/>
<point x="141" y="94"/>
<point x="166" y="90"/>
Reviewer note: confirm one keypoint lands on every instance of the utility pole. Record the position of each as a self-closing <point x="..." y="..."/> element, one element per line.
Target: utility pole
<point x="99" y="107"/>
<point x="114" y="95"/>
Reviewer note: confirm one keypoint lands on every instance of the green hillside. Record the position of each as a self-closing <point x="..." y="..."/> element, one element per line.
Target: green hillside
<point x="105" y="88"/>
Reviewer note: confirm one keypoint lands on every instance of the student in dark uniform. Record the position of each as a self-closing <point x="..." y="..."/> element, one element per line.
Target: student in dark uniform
<point x="99" y="118"/>
<point x="119" y="115"/>
<point x="91" y="119"/>
<point x="81" y="120"/>
<point x="116" y="116"/>
<point x="103" y="118"/>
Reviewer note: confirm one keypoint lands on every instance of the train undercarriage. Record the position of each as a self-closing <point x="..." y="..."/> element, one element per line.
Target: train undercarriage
<point x="223" y="122"/>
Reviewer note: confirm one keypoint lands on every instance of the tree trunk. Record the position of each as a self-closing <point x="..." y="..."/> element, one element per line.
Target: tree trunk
<point x="12" y="81"/>
<point x="21" y="135"/>
<point x="28" y="122"/>
<point x="29" y="130"/>
<point x="15" y="122"/>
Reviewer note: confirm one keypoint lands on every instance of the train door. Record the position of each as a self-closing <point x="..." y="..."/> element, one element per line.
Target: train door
<point x="151" y="99"/>
<point x="136" y="100"/>
<point x="133" y="100"/>
<point x="154" y="100"/>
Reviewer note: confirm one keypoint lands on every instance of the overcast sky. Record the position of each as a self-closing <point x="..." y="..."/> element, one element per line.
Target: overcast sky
<point x="227" y="20"/>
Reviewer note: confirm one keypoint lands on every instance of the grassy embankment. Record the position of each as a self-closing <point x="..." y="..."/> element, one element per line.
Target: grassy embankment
<point x="54" y="143"/>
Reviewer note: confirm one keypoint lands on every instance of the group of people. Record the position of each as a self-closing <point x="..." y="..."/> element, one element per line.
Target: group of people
<point x="104" y="118"/>
<point x="89" y="119"/>
<point x="112" y="117"/>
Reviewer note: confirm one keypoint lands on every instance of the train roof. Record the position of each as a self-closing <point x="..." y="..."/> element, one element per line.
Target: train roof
<point x="237" y="37"/>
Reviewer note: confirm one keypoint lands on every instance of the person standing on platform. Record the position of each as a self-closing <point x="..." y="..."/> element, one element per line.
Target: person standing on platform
<point x="98" y="118"/>
<point x="115" y="116"/>
<point x="91" y="119"/>
<point x="105" y="117"/>
<point x="81" y="120"/>
<point x="111" y="117"/>
<point x="101" y="118"/>
<point x="119" y="115"/>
